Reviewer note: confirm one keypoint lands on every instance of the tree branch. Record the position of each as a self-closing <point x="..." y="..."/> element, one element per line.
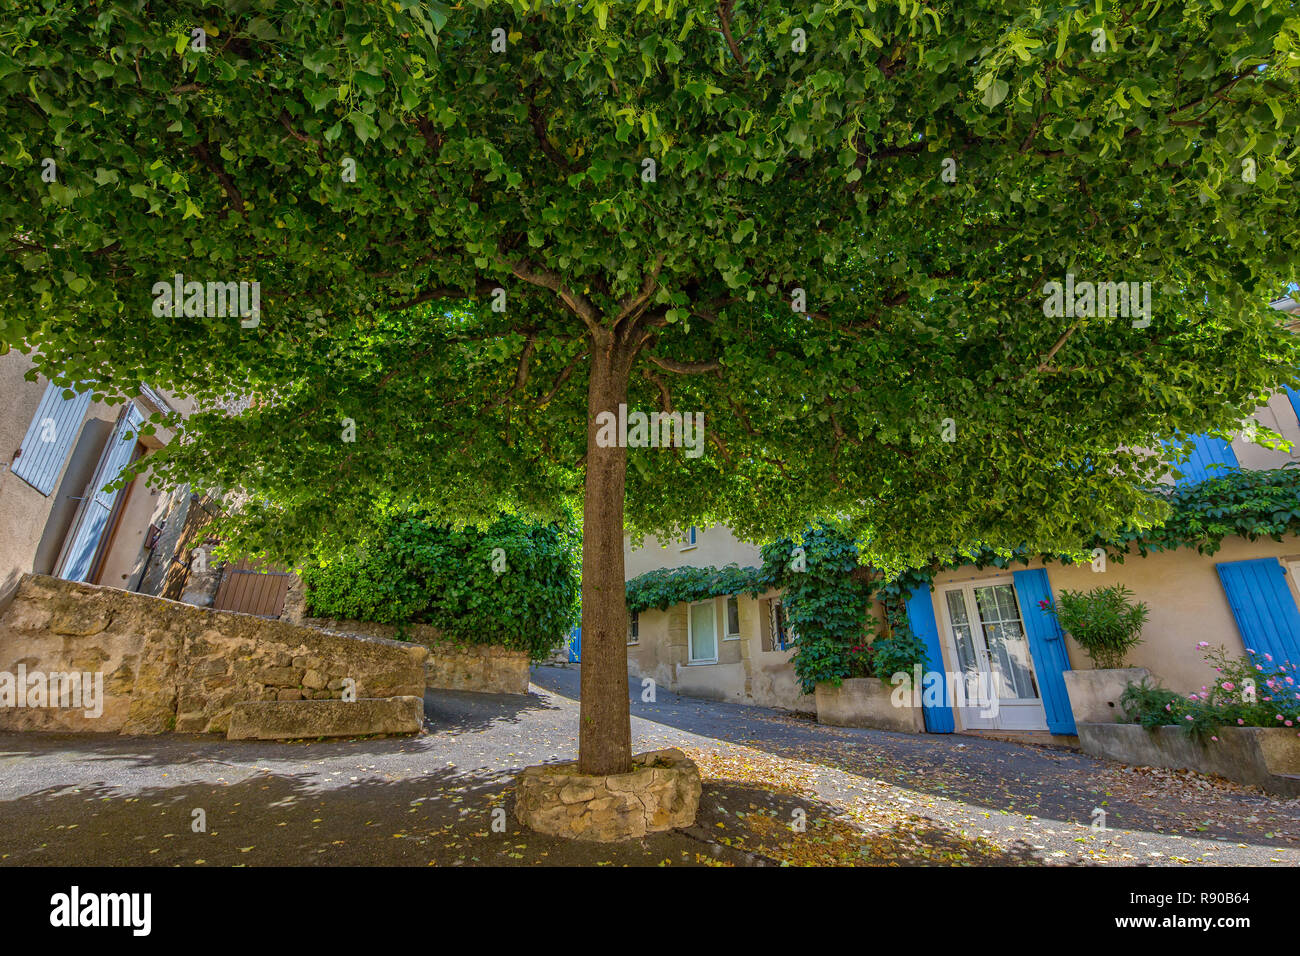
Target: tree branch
<point x="684" y="368"/>
<point x="200" y="150"/>
<point x="724" y="17"/>
<point x="576" y="301"/>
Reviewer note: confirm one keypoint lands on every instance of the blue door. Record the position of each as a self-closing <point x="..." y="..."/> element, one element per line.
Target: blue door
<point x="575" y="645"/>
<point x="1263" y="608"/>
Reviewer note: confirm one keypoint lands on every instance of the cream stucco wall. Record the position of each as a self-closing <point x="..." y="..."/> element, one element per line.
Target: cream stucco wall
<point x="714" y="547"/>
<point x="1182" y="590"/>
<point x="1281" y="417"/>
<point x="744" y="672"/>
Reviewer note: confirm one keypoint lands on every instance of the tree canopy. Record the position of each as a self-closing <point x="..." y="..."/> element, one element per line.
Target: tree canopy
<point x="830" y="230"/>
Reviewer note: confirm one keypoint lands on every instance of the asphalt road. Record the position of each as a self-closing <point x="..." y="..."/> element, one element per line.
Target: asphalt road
<point x="442" y="798"/>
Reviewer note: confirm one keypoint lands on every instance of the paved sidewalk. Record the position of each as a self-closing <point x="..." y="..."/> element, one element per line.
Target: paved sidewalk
<point x="777" y="789"/>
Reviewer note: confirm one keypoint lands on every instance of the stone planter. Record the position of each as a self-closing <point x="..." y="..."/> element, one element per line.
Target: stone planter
<point x="1265" y="757"/>
<point x="661" y="793"/>
<point x="1095" y="694"/>
<point x="867" y="702"/>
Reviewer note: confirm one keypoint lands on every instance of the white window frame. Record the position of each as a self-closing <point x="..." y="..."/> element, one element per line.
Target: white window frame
<point x="728" y="635"/>
<point x="691" y="537"/>
<point x="633" y="628"/>
<point x="690" y="634"/>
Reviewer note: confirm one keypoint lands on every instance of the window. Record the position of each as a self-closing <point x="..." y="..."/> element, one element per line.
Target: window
<point x="689" y="541"/>
<point x="634" y="627"/>
<point x="733" y="618"/>
<point x="777" y="635"/>
<point x="701" y="633"/>
<point x="49" y="438"/>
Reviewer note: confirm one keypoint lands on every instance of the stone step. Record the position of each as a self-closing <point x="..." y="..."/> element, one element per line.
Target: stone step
<point x="294" y="719"/>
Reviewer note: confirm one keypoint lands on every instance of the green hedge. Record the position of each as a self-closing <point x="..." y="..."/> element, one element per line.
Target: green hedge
<point x="413" y="570"/>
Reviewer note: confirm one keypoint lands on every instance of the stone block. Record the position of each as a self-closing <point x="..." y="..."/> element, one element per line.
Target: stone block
<point x="284" y="720"/>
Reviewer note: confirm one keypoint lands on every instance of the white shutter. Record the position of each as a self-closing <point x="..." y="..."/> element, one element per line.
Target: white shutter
<point x="91" y="522"/>
<point x="49" y="438"/>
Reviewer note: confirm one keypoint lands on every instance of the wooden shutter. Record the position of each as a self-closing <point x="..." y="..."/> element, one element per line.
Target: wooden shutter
<point x="920" y="618"/>
<point x="91" y="522"/>
<point x="49" y="438"/>
<point x="1210" y="458"/>
<point x="1048" y="647"/>
<point x="1263" y="608"/>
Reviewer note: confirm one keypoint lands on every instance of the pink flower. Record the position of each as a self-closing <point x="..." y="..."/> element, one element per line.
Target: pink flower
<point x="1215" y="739"/>
<point x="1188" y="717"/>
<point x="1288" y="723"/>
<point x="1228" y="685"/>
<point x="1240" y="722"/>
<point x="1203" y="644"/>
<point x="1279" y="716"/>
<point x="1169" y="706"/>
<point x="1269" y="658"/>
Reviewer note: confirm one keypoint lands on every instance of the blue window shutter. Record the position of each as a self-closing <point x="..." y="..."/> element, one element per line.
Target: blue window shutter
<point x="1048" y="647"/>
<point x="920" y="618"/>
<point x="575" y="646"/>
<point x="1263" y="607"/>
<point x="49" y="438"/>
<point x="1210" y="458"/>
<point x="1294" y="395"/>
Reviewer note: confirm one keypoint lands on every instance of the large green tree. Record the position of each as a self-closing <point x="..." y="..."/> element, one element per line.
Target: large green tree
<point x="828" y="227"/>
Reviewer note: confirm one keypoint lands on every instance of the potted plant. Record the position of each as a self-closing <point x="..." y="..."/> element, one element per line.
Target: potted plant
<point x="1244" y="724"/>
<point x="1107" y="624"/>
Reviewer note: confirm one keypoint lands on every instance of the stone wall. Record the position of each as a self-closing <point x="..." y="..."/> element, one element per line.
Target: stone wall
<point x="451" y="665"/>
<point x="1265" y="757"/>
<point x="170" y="666"/>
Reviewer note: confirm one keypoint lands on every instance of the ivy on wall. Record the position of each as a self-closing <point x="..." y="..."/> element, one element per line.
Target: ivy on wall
<point x="664" y="587"/>
<point x="1248" y="504"/>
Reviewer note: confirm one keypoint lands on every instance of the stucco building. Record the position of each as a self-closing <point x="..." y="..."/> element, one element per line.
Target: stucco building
<point x="988" y="622"/>
<point x="59" y="451"/>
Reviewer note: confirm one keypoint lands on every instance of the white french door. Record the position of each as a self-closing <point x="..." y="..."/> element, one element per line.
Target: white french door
<point x="986" y="637"/>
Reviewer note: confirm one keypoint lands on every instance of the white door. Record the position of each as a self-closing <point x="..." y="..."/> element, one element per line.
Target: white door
<point x="91" y="521"/>
<point x="987" y="640"/>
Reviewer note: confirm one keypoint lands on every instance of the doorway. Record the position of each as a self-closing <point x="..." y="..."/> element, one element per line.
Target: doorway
<point x="986" y="639"/>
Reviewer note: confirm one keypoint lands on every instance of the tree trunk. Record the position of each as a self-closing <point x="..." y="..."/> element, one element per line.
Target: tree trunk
<point x="605" y="726"/>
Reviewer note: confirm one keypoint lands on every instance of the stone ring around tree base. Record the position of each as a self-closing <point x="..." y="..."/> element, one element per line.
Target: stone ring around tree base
<point x="662" y="792"/>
